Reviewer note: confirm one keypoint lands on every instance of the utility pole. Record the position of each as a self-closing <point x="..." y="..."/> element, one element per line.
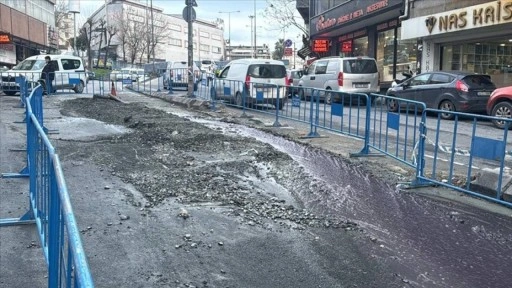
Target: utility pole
<point x="190" y="16"/>
<point x="153" y="36"/>
<point x="255" y="49"/>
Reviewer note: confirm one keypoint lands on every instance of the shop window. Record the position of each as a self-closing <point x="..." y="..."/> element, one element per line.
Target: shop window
<point x="385" y="54"/>
<point x="360" y="46"/>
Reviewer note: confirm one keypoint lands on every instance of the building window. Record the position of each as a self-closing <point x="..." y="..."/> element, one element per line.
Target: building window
<point x="216" y="50"/>
<point x="175" y="27"/>
<point x="204" y="34"/>
<point x="205" y="48"/>
<point x="216" y="37"/>
<point x="175" y="42"/>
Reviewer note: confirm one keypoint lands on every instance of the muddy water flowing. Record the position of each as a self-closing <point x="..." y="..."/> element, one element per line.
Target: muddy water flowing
<point x="443" y="244"/>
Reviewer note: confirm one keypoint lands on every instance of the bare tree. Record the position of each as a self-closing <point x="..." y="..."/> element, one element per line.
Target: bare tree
<point x="122" y="32"/>
<point x="158" y="34"/>
<point x="110" y="32"/>
<point x="61" y="13"/>
<point x="101" y="27"/>
<point x="86" y="32"/>
<point x="134" y="41"/>
<point x="284" y="14"/>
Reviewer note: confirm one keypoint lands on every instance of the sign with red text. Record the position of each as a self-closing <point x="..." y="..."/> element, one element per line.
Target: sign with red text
<point x="320" y="45"/>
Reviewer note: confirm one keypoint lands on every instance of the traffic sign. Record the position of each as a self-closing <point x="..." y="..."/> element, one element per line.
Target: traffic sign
<point x="186" y="14"/>
<point x="288" y="52"/>
<point x="288" y="43"/>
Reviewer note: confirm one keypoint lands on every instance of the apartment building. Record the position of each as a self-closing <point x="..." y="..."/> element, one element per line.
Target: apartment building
<point x="27" y="27"/>
<point x="170" y="32"/>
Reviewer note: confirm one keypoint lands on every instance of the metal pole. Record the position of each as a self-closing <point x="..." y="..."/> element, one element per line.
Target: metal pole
<point x="75" y="51"/>
<point x="229" y="29"/>
<point x="153" y="36"/>
<point x="255" y="55"/>
<point x="252" y="40"/>
<point x="190" y="54"/>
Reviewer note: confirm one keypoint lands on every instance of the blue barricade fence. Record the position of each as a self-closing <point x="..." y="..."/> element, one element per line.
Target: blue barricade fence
<point x="49" y="204"/>
<point x="474" y="162"/>
<point x="387" y="125"/>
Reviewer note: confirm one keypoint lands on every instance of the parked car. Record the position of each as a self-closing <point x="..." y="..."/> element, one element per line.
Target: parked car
<point x="179" y="73"/>
<point x="255" y="76"/>
<point x="66" y="67"/>
<point x="132" y="74"/>
<point x="292" y="81"/>
<point x="349" y="74"/>
<point x="500" y="105"/>
<point x="445" y="90"/>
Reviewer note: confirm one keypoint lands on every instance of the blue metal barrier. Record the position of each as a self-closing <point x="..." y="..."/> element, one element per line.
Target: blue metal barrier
<point x="475" y="164"/>
<point x="393" y="127"/>
<point x="50" y="206"/>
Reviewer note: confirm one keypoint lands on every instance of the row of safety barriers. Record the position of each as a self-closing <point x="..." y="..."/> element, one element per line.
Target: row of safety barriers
<point x="409" y="135"/>
<point x="466" y="154"/>
<point x="49" y="203"/>
<point x="83" y="82"/>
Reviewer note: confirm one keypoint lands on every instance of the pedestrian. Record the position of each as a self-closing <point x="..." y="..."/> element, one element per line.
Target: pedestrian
<point x="48" y="74"/>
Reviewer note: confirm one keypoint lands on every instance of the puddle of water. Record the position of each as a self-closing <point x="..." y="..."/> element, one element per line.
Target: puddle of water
<point x="72" y="128"/>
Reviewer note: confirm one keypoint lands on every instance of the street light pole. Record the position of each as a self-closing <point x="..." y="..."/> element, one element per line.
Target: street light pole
<point x="252" y="47"/>
<point x="229" y="28"/>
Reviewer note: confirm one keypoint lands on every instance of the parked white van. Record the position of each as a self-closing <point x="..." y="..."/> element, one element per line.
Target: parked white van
<point x="178" y="72"/>
<point x="262" y="78"/>
<point x="66" y="67"/>
<point x="348" y="74"/>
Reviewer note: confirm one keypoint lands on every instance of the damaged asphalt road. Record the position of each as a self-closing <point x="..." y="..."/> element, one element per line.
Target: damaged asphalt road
<point x="200" y="201"/>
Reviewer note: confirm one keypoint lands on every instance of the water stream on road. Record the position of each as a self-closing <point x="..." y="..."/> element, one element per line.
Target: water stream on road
<point x="447" y="244"/>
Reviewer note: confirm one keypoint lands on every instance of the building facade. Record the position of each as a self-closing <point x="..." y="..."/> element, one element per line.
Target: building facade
<point x="361" y="28"/>
<point x="417" y="35"/>
<point x="470" y="35"/>
<point x="27" y="27"/>
<point x="171" y="34"/>
<point x="242" y="51"/>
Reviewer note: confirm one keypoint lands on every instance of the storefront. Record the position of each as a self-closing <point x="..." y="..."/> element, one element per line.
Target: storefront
<point x="476" y="38"/>
<point x="368" y="28"/>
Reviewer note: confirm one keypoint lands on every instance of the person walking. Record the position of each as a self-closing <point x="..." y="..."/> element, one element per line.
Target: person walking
<point x="48" y="74"/>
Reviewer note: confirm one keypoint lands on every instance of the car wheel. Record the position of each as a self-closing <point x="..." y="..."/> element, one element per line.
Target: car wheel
<point x="504" y="110"/>
<point x="10" y="93"/>
<point x="328" y="97"/>
<point x="79" y="88"/>
<point x="301" y="95"/>
<point x="238" y="99"/>
<point x="447" y="106"/>
<point x="392" y="105"/>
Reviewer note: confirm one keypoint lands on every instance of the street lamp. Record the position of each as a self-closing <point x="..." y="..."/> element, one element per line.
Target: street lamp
<point x="229" y="28"/>
<point x="74" y="7"/>
<point x="252" y="47"/>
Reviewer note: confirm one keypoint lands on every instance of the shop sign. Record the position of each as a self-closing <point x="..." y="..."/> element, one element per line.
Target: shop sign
<point x="5" y="39"/>
<point x="350" y="12"/>
<point x="320" y="45"/>
<point x="387" y="25"/>
<point x="357" y="34"/>
<point x="482" y="15"/>
<point x="346" y="47"/>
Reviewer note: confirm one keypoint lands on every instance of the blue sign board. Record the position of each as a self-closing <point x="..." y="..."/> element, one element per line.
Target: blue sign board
<point x="127" y="81"/>
<point x="288" y="43"/>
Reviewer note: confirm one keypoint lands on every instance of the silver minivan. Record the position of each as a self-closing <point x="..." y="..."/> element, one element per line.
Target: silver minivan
<point x="340" y="74"/>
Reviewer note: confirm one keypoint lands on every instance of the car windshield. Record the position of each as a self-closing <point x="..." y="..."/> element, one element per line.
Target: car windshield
<point x="360" y="66"/>
<point x="30" y="65"/>
<point x="479" y="82"/>
<point x="267" y="71"/>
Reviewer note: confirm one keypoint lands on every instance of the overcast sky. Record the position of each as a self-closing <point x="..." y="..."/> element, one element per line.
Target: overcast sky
<point x="267" y="32"/>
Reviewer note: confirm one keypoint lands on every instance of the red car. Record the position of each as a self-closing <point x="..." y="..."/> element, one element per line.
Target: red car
<point x="500" y="105"/>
